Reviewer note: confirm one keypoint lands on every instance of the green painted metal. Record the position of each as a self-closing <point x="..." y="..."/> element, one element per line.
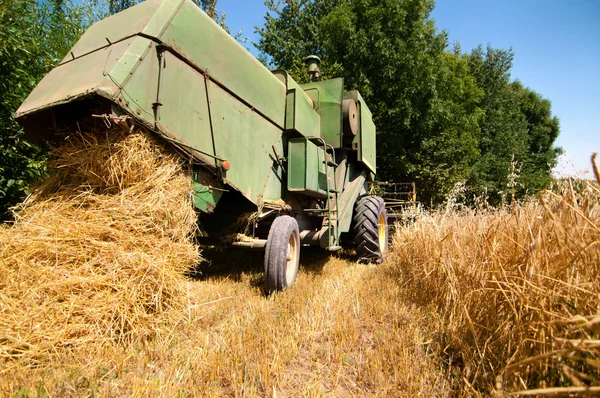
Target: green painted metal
<point x="247" y="131"/>
<point x="149" y="16"/>
<point x="353" y="188"/>
<point x="300" y="115"/>
<point x="207" y="190"/>
<point x="98" y="73"/>
<point x="206" y="198"/>
<point x="179" y="73"/>
<point x="366" y="148"/>
<point x="365" y="140"/>
<point x="196" y="37"/>
<point x="327" y="96"/>
<point x="245" y="139"/>
<point x="307" y="168"/>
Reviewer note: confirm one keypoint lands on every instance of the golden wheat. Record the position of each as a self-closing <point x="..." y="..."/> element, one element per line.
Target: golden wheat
<point x="513" y="295"/>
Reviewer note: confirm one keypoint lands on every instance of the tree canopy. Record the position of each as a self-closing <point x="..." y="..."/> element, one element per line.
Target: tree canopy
<point x="443" y="117"/>
<point x="34" y="37"/>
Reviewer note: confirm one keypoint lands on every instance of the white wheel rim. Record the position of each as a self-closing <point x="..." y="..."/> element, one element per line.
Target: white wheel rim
<point x="291" y="258"/>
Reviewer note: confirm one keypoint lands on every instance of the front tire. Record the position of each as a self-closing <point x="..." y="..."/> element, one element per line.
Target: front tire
<point x="371" y="228"/>
<point x="282" y="254"/>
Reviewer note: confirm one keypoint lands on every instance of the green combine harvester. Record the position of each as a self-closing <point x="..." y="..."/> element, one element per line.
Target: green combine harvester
<point x="277" y="165"/>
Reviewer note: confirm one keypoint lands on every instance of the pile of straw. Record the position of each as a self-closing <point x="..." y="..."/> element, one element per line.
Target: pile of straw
<point x="513" y="294"/>
<point x="97" y="254"/>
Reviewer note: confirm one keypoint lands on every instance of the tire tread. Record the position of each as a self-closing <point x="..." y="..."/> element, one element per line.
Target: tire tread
<point x="366" y="222"/>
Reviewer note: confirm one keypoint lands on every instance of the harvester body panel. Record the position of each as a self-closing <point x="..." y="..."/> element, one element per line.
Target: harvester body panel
<point x="258" y="141"/>
<point x="327" y="96"/>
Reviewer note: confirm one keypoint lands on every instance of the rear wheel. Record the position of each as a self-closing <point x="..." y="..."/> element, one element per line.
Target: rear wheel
<point x="371" y="228"/>
<point x="282" y="254"/>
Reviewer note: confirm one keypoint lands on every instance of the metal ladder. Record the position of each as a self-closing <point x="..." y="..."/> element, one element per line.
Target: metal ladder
<point x="332" y="214"/>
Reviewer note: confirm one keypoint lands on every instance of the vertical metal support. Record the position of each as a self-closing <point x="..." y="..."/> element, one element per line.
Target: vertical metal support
<point x="210" y="121"/>
<point x="325" y="146"/>
<point x="336" y="191"/>
<point x="318" y="97"/>
<point x="160" y="53"/>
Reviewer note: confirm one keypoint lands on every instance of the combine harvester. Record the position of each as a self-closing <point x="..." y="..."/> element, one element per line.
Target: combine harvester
<point x="275" y="165"/>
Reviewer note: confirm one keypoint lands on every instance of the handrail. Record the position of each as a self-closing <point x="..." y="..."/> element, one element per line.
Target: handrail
<point x="326" y="145"/>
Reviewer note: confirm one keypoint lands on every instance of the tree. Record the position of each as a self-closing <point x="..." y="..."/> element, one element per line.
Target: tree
<point x="290" y="34"/>
<point x="542" y="131"/>
<point x="116" y="6"/>
<point x="442" y="117"/>
<point x="517" y="132"/>
<point x="33" y="38"/>
<point x="209" y="7"/>
<point x="448" y="154"/>
<point x="423" y="99"/>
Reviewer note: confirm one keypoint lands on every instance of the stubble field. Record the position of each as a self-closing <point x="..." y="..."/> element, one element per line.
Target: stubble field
<point x="96" y="297"/>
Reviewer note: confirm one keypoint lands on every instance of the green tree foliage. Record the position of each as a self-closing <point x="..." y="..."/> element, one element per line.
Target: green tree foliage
<point x="423" y="99"/>
<point x="209" y="7"/>
<point x="542" y="131"/>
<point x="517" y="133"/>
<point x="442" y="117"/>
<point x="502" y="139"/>
<point x="446" y="156"/>
<point x="34" y="36"/>
<point x="116" y="6"/>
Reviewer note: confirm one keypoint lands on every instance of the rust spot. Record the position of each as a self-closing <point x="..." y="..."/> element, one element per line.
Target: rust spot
<point x="174" y="46"/>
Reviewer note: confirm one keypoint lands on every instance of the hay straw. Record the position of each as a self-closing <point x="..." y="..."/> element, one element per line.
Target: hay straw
<point x="93" y="303"/>
<point x="512" y="293"/>
<point x="97" y="253"/>
<point x="595" y="168"/>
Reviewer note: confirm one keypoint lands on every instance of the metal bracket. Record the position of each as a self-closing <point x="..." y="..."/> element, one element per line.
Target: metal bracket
<point x="279" y="159"/>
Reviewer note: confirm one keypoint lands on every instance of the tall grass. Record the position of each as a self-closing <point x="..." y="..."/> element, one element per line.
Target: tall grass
<point x="512" y="295"/>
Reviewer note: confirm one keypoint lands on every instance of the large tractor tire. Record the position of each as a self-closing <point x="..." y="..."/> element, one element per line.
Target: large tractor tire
<point x="282" y="254"/>
<point x="371" y="228"/>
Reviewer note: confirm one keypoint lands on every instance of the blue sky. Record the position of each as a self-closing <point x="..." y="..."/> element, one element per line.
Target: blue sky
<point x="557" y="53"/>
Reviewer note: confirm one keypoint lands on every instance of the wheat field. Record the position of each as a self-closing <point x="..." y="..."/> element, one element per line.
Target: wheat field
<point x="97" y="297"/>
<point x="512" y="294"/>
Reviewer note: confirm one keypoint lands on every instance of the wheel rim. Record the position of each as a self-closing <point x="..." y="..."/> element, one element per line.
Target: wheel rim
<point x="381" y="232"/>
<point x="291" y="257"/>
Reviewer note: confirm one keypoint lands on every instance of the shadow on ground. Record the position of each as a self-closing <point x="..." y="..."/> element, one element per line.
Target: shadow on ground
<point x="225" y="262"/>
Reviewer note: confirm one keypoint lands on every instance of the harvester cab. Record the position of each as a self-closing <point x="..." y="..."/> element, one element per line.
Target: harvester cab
<point x="277" y="165"/>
